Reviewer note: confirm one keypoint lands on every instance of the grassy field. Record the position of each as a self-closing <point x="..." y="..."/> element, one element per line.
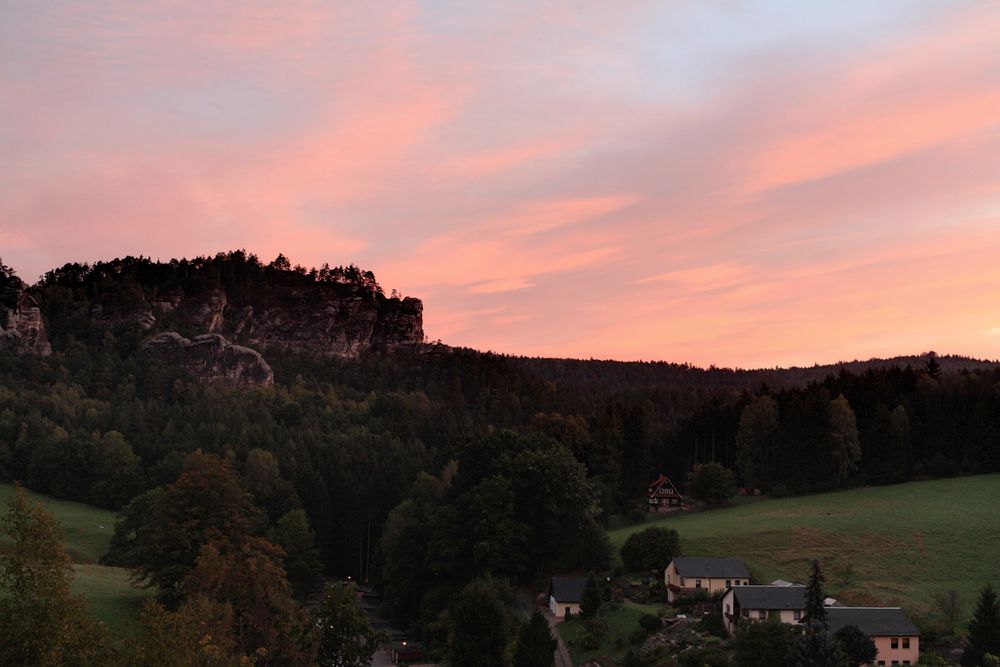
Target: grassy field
<point x="889" y="545"/>
<point x="88" y="532"/>
<point x="621" y="623"/>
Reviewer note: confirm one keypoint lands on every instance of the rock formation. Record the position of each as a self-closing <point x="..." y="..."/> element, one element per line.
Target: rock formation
<point x="211" y="358"/>
<point x="22" y="328"/>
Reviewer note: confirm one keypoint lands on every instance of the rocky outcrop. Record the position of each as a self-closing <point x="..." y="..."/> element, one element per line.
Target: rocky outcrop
<point x="343" y="327"/>
<point x="211" y="358"/>
<point x="22" y="328"/>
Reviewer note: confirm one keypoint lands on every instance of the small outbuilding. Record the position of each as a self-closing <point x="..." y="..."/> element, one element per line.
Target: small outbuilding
<point x="565" y="594"/>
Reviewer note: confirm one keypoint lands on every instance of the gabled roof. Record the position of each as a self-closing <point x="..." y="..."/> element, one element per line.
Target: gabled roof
<point x="873" y="621"/>
<point x="715" y="568"/>
<point x="660" y="481"/>
<point x="567" y="589"/>
<point x="770" y="597"/>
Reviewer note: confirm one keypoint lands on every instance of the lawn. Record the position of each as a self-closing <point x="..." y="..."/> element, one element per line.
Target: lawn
<point x="887" y="545"/>
<point x="88" y="531"/>
<point x="621" y="622"/>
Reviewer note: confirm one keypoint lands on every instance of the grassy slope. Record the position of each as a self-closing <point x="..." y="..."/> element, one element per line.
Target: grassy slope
<point x="621" y="623"/>
<point x="903" y="542"/>
<point x="88" y="531"/>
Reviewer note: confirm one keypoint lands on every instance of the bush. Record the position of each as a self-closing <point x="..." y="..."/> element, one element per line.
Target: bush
<point x="650" y="622"/>
<point x="780" y="491"/>
<point x="650" y="549"/>
<point x="707" y="657"/>
<point x="713" y="624"/>
<point x="589" y="642"/>
<point x="637" y="636"/>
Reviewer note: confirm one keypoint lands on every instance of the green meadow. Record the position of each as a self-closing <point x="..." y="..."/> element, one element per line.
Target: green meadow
<point x="88" y="531"/>
<point x="888" y="545"/>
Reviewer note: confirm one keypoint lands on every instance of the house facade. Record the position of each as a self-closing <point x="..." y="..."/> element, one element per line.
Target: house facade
<point x="686" y="576"/>
<point x="741" y="604"/>
<point x="662" y="495"/>
<point x="565" y="594"/>
<point x="895" y="636"/>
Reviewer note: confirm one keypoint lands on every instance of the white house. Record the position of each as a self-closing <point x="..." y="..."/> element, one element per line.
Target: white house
<point x="565" y="594"/>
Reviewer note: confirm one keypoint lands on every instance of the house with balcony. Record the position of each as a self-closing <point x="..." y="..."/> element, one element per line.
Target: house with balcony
<point x="662" y="495"/>
<point x="692" y="576"/>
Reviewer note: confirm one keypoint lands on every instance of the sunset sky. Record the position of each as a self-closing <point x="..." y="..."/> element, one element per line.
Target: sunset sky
<point x="727" y="182"/>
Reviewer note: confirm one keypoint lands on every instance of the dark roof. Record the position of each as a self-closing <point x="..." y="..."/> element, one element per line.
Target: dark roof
<point x="716" y="568"/>
<point x="873" y="621"/>
<point x="567" y="589"/>
<point x="770" y="597"/>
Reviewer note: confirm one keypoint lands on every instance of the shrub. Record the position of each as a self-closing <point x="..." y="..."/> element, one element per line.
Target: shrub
<point x="650" y="622"/>
<point x="637" y="636"/>
<point x="713" y="624"/>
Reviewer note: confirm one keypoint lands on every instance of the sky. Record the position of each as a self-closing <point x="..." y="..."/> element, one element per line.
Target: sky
<point x="739" y="183"/>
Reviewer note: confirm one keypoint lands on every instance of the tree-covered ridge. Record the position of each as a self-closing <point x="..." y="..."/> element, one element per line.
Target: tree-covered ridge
<point x="236" y="270"/>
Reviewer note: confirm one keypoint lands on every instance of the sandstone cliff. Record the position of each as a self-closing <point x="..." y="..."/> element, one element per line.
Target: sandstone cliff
<point x="338" y="312"/>
<point x="313" y="321"/>
<point x="22" y="328"/>
<point x="211" y="358"/>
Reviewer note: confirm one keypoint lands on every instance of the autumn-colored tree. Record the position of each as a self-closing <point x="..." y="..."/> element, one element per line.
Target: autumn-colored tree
<point x="41" y="622"/>
<point x="198" y="634"/>
<point x="162" y="545"/>
<point x="246" y="574"/>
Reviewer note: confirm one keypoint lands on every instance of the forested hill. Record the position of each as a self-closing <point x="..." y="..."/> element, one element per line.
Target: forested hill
<point x="419" y="467"/>
<point x="644" y="374"/>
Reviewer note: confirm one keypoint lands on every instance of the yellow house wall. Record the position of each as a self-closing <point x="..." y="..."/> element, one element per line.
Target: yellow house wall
<point x="888" y="654"/>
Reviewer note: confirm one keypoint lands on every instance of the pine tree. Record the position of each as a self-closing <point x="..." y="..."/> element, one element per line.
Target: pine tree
<point x="590" y="600"/>
<point x="984" y="629"/>
<point x="815" y="609"/>
<point x="535" y="645"/>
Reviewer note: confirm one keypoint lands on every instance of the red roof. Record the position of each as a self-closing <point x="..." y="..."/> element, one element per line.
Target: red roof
<point x="660" y="481"/>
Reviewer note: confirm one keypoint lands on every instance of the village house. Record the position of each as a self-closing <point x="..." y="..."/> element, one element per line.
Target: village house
<point x="662" y="495"/>
<point x="895" y="636"/>
<point x="686" y="576"/>
<point x="787" y="603"/>
<point x="565" y="594"/>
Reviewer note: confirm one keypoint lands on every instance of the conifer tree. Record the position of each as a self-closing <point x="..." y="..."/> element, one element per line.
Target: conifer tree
<point x="590" y="600"/>
<point x="984" y="629"/>
<point x="535" y="645"/>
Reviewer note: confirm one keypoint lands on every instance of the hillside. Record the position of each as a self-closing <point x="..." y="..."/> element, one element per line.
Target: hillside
<point x="887" y="545"/>
<point x="88" y="531"/>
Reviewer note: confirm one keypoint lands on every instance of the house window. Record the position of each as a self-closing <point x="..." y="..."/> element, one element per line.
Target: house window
<point x="906" y="642"/>
<point x="697" y="583"/>
<point x="797" y="614"/>
<point x="729" y="583"/>
<point x="895" y="642"/>
<point x="881" y="662"/>
<point x="727" y="607"/>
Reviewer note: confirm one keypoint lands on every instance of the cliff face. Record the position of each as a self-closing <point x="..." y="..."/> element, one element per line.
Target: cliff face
<point x="315" y="322"/>
<point x="22" y="328"/>
<point x="329" y="312"/>
<point x="211" y="358"/>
